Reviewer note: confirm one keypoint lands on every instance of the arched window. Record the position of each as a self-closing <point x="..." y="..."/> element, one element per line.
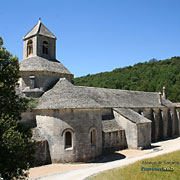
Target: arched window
<point x="93" y="137"/>
<point x="68" y="139"/>
<point x="29" y="48"/>
<point x="45" y="47"/>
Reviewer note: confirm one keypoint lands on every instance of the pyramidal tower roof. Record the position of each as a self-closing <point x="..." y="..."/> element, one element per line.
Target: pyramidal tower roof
<point x="35" y="58"/>
<point x="40" y="29"/>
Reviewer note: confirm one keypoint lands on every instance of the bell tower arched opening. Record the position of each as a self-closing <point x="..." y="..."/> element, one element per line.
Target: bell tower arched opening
<point x="29" y="48"/>
<point x="45" y="47"/>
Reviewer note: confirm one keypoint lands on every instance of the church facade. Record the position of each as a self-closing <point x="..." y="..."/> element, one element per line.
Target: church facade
<point x="76" y="123"/>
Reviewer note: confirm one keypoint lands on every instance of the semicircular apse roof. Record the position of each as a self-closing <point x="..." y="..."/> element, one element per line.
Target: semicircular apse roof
<point x="36" y="63"/>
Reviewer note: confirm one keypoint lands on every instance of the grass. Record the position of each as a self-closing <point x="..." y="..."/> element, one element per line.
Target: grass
<point x="135" y="172"/>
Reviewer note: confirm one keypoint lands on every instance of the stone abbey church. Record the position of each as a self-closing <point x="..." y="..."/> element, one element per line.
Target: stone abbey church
<point x="77" y="123"/>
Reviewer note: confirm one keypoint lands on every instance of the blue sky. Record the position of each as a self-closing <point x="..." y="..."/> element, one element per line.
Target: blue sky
<point x="97" y="35"/>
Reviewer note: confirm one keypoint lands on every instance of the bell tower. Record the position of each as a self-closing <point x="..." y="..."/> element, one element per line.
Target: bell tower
<point x="39" y="41"/>
<point x="39" y="69"/>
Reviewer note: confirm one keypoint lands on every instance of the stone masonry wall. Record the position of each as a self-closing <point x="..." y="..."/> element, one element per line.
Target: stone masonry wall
<point x="113" y="141"/>
<point x="51" y="47"/>
<point x="165" y="122"/>
<point x="144" y="135"/>
<point x="28" y="118"/>
<point x="34" y="40"/>
<point x="79" y="121"/>
<point x="130" y="130"/>
<point x="43" y="80"/>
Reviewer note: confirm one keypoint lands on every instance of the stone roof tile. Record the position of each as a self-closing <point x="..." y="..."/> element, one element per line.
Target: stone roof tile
<point x="39" y="28"/>
<point x="37" y="63"/>
<point x="132" y="115"/>
<point x="66" y="95"/>
<point x="110" y="126"/>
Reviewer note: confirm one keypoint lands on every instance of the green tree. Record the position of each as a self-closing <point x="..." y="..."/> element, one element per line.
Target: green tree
<point x="148" y="76"/>
<point x="16" y="146"/>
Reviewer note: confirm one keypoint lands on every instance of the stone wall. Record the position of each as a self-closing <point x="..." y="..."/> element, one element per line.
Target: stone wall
<point x="34" y="39"/>
<point x="149" y="114"/>
<point x="43" y="80"/>
<point x="107" y="114"/>
<point x="130" y="130"/>
<point x="113" y="141"/>
<point x="138" y="134"/>
<point x="175" y="122"/>
<point x="165" y="122"/>
<point x="42" y="154"/>
<point x="54" y="123"/>
<point x="51" y="47"/>
<point x="29" y="118"/>
<point x="38" y="47"/>
<point x="144" y="135"/>
<point x="166" y="126"/>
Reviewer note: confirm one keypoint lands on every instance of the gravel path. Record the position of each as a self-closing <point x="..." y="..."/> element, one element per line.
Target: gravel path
<point x="82" y="173"/>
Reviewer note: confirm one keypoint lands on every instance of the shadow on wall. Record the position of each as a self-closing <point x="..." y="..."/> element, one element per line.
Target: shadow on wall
<point x="42" y="155"/>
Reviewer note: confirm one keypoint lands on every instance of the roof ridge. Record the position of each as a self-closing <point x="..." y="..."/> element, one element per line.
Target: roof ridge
<point x="39" y="23"/>
<point x="119" y="89"/>
<point x="49" y="31"/>
<point x="131" y="115"/>
<point x="41" y="29"/>
<point x="30" y="30"/>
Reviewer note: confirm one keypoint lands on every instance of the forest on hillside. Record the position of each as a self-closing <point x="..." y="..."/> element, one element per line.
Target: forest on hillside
<point x="147" y="76"/>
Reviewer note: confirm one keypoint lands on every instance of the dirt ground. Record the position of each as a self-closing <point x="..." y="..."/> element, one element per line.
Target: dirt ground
<point x="54" y="169"/>
<point x="59" y="168"/>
